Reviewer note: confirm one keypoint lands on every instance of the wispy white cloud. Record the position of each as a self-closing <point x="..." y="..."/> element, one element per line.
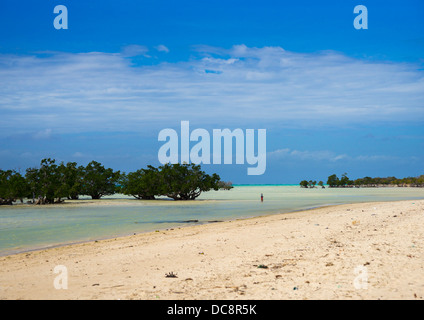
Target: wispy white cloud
<point x="78" y="154"/>
<point x="162" y="48"/>
<point x="326" y="155"/>
<point x="380" y="158"/>
<point x="248" y="87"/>
<point x="134" y="50"/>
<point x="287" y="153"/>
<point x="43" y="134"/>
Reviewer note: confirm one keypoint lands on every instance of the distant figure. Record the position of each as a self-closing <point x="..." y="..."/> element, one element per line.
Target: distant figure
<point x="262" y="197"/>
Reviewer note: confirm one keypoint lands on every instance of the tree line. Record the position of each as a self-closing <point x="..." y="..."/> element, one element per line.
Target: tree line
<point x="311" y="184"/>
<point x="334" y="181"/>
<point x="53" y="183"/>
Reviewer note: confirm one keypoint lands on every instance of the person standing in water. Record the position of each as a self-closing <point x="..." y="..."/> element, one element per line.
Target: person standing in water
<point x="262" y="197"/>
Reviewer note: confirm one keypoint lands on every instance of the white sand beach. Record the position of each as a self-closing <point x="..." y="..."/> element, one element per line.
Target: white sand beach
<point x="352" y="251"/>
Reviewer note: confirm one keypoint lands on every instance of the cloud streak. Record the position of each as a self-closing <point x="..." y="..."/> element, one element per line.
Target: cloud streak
<point x="241" y="86"/>
<point x="319" y="155"/>
<point x="326" y="155"/>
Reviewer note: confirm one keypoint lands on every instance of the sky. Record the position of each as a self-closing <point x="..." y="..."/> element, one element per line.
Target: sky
<point x="332" y="98"/>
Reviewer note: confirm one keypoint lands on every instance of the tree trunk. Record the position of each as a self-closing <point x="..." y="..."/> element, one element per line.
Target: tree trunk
<point x="144" y="197"/>
<point x="6" y="201"/>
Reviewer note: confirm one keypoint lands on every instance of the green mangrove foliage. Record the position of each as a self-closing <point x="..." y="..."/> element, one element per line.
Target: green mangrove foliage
<point x="311" y="184"/>
<point x="176" y="181"/>
<point x="52" y="182"/>
<point x="334" y="181"/>
<point x="12" y="187"/>
<point x="97" y="181"/>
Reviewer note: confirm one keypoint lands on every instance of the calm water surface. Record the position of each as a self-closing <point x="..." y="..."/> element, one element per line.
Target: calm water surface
<point x="25" y="227"/>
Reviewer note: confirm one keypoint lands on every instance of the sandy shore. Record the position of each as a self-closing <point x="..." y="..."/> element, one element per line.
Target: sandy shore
<point x="355" y="251"/>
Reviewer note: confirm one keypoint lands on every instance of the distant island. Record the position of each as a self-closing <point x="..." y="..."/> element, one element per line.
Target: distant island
<point x="367" y="182"/>
<point x="52" y="183"/>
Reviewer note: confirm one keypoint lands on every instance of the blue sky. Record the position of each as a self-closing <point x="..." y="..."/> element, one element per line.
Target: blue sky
<point x="332" y="98"/>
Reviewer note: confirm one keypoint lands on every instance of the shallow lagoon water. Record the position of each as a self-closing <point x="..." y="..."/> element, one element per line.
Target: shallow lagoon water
<point x="25" y="227"/>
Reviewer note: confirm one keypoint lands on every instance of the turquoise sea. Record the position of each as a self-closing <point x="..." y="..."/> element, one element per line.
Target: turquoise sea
<point x="26" y="227"/>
